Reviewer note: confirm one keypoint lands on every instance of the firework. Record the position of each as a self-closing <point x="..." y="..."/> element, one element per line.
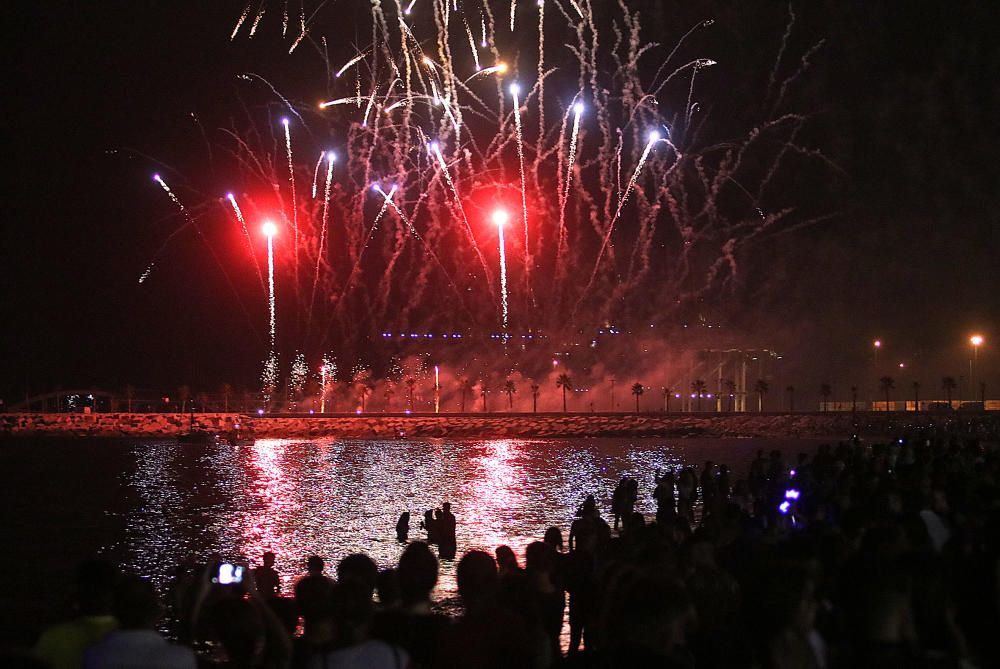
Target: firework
<point x="515" y="90"/>
<point x="500" y="218"/>
<point x="270" y="230"/>
<point x="291" y="185"/>
<point x="636" y="221"/>
<point x="297" y="377"/>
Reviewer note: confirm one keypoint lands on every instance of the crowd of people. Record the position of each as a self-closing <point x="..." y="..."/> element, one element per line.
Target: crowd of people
<point x="859" y="555"/>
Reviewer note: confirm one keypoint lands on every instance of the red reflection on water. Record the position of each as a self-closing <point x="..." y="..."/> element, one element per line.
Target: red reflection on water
<point x="493" y="493"/>
<point x="270" y="519"/>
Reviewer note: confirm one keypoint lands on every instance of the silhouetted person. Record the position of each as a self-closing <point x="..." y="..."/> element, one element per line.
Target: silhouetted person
<point x="588" y="534"/>
<point x="413" y="626"/>
<point x="266" y="577"/>
<point x="136" y="643"/>
<point x="447" y="542"/>
<point x="352" y="646"/>
<point x="553" y="537"/>
<point x="387" y="588"/>
<point x="666" y="501"/>
<point x="589" y="531"/>
<point x="430" y="525"/>
<point x="618" y="500"/>
<point x="62" y="646"/>
<point x="358" y="568"/>
<point x="550" y="600"/>
<point x="488" y="635"/>
<point x="312" y="591"/>
<point x="250" y="633"/>
<point x="403" y="527"/>
<point x="506" y="561"/>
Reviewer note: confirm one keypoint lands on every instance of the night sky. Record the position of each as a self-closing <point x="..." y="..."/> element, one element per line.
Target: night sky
<point x="906" y="103"/>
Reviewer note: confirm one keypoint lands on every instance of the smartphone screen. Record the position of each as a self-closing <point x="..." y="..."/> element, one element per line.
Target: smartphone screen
<point x="229" y="574"/>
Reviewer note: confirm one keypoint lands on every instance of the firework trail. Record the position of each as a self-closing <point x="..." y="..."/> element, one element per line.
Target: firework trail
<point x="319" y="161"/>
<point x="269" y="232"/>
<point x="246" y="232"/>
<point x="256" y="20"/>
<point x="515" y="90"/>
<point x="348" y="64"/>
<point x="295" y="207"/>
<point x="683" y="216"/>
<point x="472" y="46"/>
<point x="654" y="137"/>
<point x="570" y="162"/>
<point x="331" y="158"/>
<point x="500" y="217"/>
<point x="170" y="194"/>
<point x="145" y="273"/>
<point x="243" y="17"/>
<point x="436" y="150"/>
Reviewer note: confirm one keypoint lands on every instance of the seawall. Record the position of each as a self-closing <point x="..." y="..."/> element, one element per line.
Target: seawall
<point x="834" y="424"/>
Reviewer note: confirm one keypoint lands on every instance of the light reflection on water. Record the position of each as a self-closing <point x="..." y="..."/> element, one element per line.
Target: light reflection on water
<point x="335" y="497"/>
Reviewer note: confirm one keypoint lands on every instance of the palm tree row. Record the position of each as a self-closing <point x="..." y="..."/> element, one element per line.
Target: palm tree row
<point x="186" y="400"/>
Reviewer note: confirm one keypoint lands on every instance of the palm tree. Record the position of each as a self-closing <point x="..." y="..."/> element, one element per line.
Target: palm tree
<point x="466" y="388"/>
<point x="948" y="385"/>
<point x="184" y="394"/>
<point x="791" y="398"/>
<point x="637" y="390"/>
<point x="854" y="399"/>
<point x="203" y="401"/>
<point x="825" y="390"/>
<point x="761" y="389"/>
<point x="246" y="398"/>
<point x="363" y="394"/>
<point x="484" y="388"/>
<point x="731" y="389"/>
<point x="389" y="392"/>
<point x="564" y="382"/>
<point x="886" y="384"/>
<point x="410" y="384"/>
<point x="129" y="395"/>
<point x="698" y="387"/>
<point x="666" y="399"/>
<point x="510" y="389"/>
<point x="534" y="397"/>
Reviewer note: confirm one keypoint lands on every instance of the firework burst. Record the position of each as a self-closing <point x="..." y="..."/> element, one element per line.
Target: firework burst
<point x="627" y="210"/>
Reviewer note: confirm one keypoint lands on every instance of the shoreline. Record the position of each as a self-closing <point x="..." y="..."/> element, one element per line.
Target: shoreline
<point x="499" y="425"/>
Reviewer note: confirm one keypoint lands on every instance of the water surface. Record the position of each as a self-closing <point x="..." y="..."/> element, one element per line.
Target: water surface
<point x="153" y="504"/>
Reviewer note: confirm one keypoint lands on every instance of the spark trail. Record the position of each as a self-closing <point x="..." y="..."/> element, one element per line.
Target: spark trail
<point x="246" y="233"/>
<point x="570" y="161"/>
<point x="685" y="215"/>
<point x="500" y="217"/>
<point x="295" y="206"/>
<point x="515" y="90"/>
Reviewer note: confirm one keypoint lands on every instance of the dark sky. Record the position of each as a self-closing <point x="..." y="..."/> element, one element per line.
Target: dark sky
<point x="907" y="103"/>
